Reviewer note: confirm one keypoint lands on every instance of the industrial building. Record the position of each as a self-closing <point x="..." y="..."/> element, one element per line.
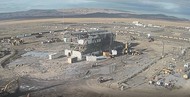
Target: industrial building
<point x="87" y="42"/>
<point x="81" y="43"/>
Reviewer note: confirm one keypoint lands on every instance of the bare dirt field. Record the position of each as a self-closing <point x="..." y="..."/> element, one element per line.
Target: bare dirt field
<point x="95" y="20"/>
<point x="41" y="77"/>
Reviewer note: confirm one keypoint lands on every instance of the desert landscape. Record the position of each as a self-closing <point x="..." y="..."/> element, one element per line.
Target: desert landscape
<point x="152" y="57"/>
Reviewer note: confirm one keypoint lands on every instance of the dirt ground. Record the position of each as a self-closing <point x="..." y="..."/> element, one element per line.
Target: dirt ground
<point x="41" y="77"/>
<point x="95" y="20"/>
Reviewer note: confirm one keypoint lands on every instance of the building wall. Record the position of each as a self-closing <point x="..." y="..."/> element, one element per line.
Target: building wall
<point x="77" y="54"/>
<point x="72" y="60"/>
<point x="81" y="41"/>
<point x="67" y="52"/>
<point x="55" y="55"/>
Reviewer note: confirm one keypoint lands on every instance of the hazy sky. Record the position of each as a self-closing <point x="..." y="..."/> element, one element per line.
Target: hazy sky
<point x="180" y="8"/>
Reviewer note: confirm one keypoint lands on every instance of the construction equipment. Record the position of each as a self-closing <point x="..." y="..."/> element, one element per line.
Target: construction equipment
<point x="16" y="41"/>
<point x="187" y="65"/>
<point x="136" y="52"/>
<point x="150" y="39"/>
<point x="167" y="71"/>
<point x="151" y="82"/>
<point x="129" y="50"/>
<point x="108" y="54"/>
<point x="10" y="87"/>
<point x="186" y="75"/>
<point x="132" y="38"/>
<point x="126" y="49"/>
<point x="102" y="79"/>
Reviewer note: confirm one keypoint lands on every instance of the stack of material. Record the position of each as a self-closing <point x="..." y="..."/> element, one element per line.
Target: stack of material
<point x="55" y="55"/>
<point x="91" y="58"/>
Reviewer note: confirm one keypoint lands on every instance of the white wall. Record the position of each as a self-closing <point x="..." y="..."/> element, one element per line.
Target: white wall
<point x="55" y="55"/>
<point x="81" y="41"/>
<point x="114" y="52"/>
<point x="77" y="54"/>
<point x="67" y="52"/>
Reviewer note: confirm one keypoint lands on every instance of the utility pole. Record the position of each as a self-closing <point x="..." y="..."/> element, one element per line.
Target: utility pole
<point x="163" y="48"/>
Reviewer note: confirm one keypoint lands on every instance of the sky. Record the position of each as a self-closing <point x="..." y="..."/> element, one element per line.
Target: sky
<point x="178" y="8"/>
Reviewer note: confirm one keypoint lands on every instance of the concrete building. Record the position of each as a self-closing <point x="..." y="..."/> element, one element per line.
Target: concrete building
<point x="88" y="42"/>
<point x="88" y="45"/>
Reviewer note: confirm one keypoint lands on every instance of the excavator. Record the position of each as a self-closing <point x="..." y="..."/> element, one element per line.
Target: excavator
<point x="128" y="50"/>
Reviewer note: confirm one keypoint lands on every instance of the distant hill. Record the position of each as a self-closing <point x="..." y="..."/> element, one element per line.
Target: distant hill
<point x="84" y="13"/>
